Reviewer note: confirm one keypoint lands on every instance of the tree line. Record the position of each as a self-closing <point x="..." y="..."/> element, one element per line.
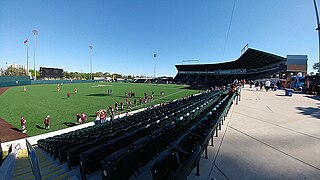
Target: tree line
<point x="11" y="71"/>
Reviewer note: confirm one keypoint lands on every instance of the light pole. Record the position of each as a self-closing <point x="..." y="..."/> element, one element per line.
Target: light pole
<point x="35" y="33"/>
<point x="154" y="66"/>
<point x="26" y="43"/>
<point x="318" y="29"/>
<point x="90" y="62"/>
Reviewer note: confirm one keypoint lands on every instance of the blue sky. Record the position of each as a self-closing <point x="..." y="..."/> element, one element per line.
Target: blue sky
<point x="126" y="33"/>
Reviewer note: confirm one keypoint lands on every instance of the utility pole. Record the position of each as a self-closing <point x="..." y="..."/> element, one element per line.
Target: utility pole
<point x="90" y="62"/>
<point x="35" y="33"/>
<point x="318" y="29"/>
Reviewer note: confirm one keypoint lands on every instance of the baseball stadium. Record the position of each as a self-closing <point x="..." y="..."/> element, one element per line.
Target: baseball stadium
<point x="253" y="117"/>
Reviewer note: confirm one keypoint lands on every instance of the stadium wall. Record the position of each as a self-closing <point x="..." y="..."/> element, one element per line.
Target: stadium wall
<point x="7" y="81"/>
<point x="60" y="81"/>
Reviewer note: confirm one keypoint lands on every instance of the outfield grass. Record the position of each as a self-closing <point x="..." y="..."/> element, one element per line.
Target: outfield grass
<point x="41" y="100"/>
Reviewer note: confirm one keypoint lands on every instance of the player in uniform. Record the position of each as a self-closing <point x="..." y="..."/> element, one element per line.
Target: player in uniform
<point x="47" y="122"/>
<point x="116" y="106"/>
<point x="23" y="125"/>
<point x="78" y="120"/>
<point x="83" y="117"/>
<point x="75" y="90"/>
<point x="121" y="104"/>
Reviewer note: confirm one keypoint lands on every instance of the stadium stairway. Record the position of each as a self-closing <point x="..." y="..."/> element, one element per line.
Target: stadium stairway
<point x="49" y="168"/>
<point x="22" y="169"/>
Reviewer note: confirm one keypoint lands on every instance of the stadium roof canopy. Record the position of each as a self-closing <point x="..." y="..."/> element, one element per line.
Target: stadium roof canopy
<point x="250" y="59"/>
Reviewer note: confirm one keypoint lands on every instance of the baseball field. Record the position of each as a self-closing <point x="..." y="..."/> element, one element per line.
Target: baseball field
<point x="38" y="101"/>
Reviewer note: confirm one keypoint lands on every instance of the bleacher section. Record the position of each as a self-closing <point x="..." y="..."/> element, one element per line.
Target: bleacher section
<point x="252" y="64"/>
<point x="118" y="149"/>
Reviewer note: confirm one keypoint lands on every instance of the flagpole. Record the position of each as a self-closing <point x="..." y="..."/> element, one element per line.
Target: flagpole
<point x="154" y="66"/>
<point x="27" y="59"/>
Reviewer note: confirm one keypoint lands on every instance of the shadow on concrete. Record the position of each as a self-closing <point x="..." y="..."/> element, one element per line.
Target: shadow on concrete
<point x="39" y="127"/>
<point x="313" y="97"/>
<point x="69" y="124"/>
<point x="310" y="111"/>
<point x="281" y="95"/>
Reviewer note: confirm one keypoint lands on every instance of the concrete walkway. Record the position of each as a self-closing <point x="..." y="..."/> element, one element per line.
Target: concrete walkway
<point x="267" y="136"/>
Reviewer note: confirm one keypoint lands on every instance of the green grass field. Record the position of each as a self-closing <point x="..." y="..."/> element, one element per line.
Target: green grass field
<point x="41" y="100"/>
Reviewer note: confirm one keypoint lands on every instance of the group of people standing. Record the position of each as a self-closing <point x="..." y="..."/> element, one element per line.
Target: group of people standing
<point x="23" y="122"/>
<point x="102" y="114"/>
<point x="267" y="85"/>
<point x="112" y="111"/>
<point x="81" y="118"/>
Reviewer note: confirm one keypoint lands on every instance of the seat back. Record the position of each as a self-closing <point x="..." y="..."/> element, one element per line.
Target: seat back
<point x="165" y="164"/>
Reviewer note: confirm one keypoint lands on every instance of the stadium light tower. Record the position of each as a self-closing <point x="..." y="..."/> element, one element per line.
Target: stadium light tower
<point x="154" y="66"/>
<point x="318" y="29"/>
<point x="35" y="33"/>
<point x="90" y="61"/>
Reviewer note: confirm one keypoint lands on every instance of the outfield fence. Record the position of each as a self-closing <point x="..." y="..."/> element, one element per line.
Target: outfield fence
<point x="60" y="81"/>
<point x="8" y="81"/>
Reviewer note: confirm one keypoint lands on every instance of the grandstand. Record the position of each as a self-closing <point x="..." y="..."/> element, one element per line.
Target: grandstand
<point x="252" y="64"/>
<point x="171" y="137"/>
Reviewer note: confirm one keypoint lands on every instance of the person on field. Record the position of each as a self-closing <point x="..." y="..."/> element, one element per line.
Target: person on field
<point x="24" y="88"/>
<point x="58" y="87"/>
<point x="47" y="122"/>
<point x="23" y="125"/>
<point x="78" y="120"/>
<point x="127" y="101"/>
<point x="98" y="121"/>
<point x="75" y="90"/>
<point x="83" y="117"/>
<point x="68" y="95"/>
<point x="121" y="105"/>
<point x="116" y="106"/>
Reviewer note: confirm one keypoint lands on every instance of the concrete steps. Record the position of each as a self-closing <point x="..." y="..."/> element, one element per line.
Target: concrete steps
<point x="22" y="169"/>
<point x="49" y="168"/>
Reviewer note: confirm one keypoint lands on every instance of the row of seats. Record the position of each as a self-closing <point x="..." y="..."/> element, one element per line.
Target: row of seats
<point x="178" y="161"/>
<point x="85" y="146"/>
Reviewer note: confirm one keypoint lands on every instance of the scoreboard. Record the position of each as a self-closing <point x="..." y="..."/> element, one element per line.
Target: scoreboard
<point x="51" y="72"/>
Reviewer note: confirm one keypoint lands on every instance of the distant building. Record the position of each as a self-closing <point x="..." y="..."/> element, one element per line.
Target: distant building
<point x="107" y="79"/>
<point x="252" y="64"/>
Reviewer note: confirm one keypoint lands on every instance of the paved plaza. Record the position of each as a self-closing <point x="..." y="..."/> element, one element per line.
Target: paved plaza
<point x="267" y="136"/>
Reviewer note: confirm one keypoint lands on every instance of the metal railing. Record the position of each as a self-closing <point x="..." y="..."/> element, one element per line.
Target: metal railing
<point x="33" y="161"/>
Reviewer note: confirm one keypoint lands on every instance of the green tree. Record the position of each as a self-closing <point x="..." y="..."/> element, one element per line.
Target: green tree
<point x="117" y="75"/>
<point x="316" y="66"/>
<point x="85" y="76"/>
<point x="11" y="71"/>
<point x="98" y="74"/>
<point x="66" y="75"/>
<point x="32" y="73"/>
<point x="106" y="74"/>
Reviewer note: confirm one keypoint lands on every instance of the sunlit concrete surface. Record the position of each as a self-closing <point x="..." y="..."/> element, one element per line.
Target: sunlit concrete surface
<point x="267" y="136"/>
